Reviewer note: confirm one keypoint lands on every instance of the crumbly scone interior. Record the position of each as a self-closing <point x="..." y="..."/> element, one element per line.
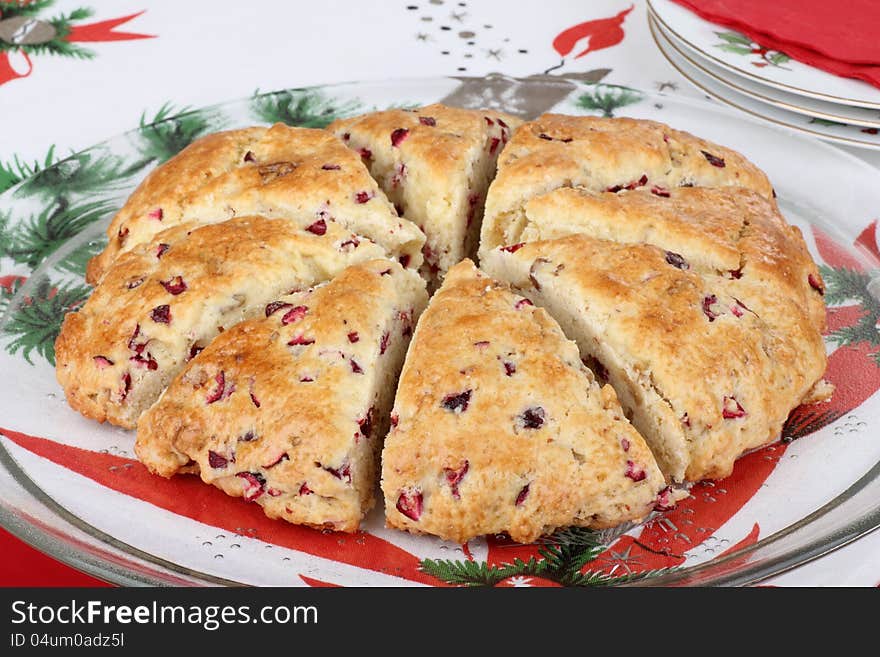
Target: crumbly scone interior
<point x="435" y="164"/>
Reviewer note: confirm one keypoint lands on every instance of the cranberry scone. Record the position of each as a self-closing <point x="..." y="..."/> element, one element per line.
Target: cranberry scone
<point x="289" y="410"/>
<point x="602" y="154"/>
<point x="708" y="353"/>
<point x="435" y="164"/>
<point x="302" y="175"/>
<point x="723" y="231"/>
<point x="163" y="301"/>
<point x="498" y="426"/>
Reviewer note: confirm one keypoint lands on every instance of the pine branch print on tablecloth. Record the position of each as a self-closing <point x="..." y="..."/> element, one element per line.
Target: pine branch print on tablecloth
<point x="305" y="108"/>
<point x="844" y="285"/>
<point x="91" y="172"/>
<point x="31" y="241"/>
<point x="34" y="321"/>
<point x="561" y="558"/>
<point x="16" y="8"/>
<point x="61" y="27"/>
<point x="171" y="130"/>
<point x="606" y="98"/>
<point x="23" y="34"/>
<point x="12" y="173"/>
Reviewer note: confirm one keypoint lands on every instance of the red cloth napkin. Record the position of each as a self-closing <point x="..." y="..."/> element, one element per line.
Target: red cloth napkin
<point x="838" y="37"/>
<point x="22" y="565"/>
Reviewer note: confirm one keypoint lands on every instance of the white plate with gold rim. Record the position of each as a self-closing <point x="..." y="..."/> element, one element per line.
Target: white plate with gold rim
<point x="806" y="105"/>
<point x="721" y="46"/>
<point x="833" y="131"/>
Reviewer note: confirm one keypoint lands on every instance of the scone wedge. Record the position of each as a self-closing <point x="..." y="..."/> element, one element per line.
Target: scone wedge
<point x="289" y="410"/>
<point x="600" y="154"/>
<point x="498" y="426"/>
<point x="301" y="175"/>
<point x="708" y="361"/>
<point x="162" y="302"/>
<point x="435" y="164"/>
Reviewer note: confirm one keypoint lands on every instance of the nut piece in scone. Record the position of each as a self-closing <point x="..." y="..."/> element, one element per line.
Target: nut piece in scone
<point x="708" y="361"/>
<point x="301" y="175"/>
<point x="498" y="426"/>
<point x="602" y="154"/>
<point x="165" y="300"/>
<point x="435" y="164"/>
<point x="289" y="410"/>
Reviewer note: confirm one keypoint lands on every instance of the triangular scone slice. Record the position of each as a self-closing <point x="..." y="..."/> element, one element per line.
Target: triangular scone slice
<point x="498" y="426"/>
<point x="289" y="410"/>
<point x="707" y="365"/>
<point x="435" y="164"/>
<point x="301" y="175"/>
<point x="162" y="302"/>
<point x="724" y="231"/>
<point x="602" y="154"/>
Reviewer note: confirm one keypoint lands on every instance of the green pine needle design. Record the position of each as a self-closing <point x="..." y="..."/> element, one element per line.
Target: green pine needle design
<point x="171" y="130"/>
<point x="14" y="172"/>
<point x="33" y="240"/>
<point x="88" y="172"/>
<point x="35" y="321"/>
<point x="6" y="295"/>
<point x="76" y="260"/>
<point x="606" y="98"/>
<point x="564" y="555"/>
<point x="474" y="573"/>
<point x="300" y="107"/>
<point x="843" y="285"/>
<point x="58" y="45"/>
<point x="15" y="8"/>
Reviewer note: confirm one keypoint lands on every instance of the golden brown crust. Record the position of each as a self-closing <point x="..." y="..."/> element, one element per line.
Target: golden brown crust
<point x="301" y="175"/>
<point x="296" y="428"/>
<point x="435" y="163"/>
<point x="710" y="364"/>
<point x="599" y="154"/>
<point x="499" y="427"/>
<point x="162" y="299"/>
<point x="723" y="231"/>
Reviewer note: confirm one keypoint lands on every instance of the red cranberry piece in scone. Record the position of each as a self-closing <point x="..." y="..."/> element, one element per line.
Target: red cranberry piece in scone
<point x="507" y="431"/>
<point x="287" y="410"/>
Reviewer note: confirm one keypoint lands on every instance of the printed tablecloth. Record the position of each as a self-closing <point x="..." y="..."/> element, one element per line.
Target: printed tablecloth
<point x="79" y="71"/>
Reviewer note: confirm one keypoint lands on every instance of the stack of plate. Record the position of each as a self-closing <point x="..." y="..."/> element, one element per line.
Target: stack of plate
<point x="768" y="84"/>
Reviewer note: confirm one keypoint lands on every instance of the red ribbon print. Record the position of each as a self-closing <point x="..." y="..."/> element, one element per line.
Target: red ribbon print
<point x="602" y="33"/>
<point x="103" y="31"/>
